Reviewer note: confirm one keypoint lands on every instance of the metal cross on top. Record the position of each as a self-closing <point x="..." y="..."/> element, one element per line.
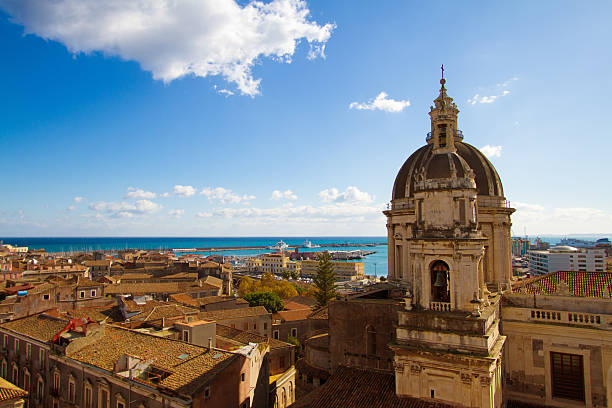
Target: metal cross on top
<point x="442" y="68"/>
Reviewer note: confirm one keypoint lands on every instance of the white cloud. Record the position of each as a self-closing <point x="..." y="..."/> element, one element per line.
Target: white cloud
<point x="183" y="191"/>
<point x="537" y="218"/>
<point x="176" y="213"/>
<point x="302" y="212"/>
<point x="202" y="214"/>
<point x="498" y="91"/>
<point x="491" y="151"/>
<point x="225" y="196"/>
<point x="165" y="195"/>
<point x="381" y="102"/>
<point x="139" y="193"/>
<point x="351" y="195"/>
<point x="287" y="195"/>
<point x="78" y="199"/>
<point x="71" y="208"/>
<point x="124" y="209"/>
<point x="173" y="39"/>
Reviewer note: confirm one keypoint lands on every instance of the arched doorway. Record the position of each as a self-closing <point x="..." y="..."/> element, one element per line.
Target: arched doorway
<point x="440" y="282"/>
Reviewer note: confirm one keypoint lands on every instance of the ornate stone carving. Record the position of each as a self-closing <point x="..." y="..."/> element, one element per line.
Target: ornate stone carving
<point x="466" y="378"/>
<point x="562" y="289"/>
<point x="415" y="368"/>
<point x="397" y="236"/>
<point x="485" y="381"/>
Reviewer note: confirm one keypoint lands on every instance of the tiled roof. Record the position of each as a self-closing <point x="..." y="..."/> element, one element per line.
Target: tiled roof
<point x="290" y="305"/>
<point x="356" y="388"/>
<point x="136" y="276"/>
<point x="85" y="282"/>
<point x="189" y="366"/>
<point x="99" y="314"/>
<point x="246" y="337"/>
<point x="292" y="315"/>
<point x="42" y="288"/>
<point x="9" y="391"/>
<point x="181" y="275"/>
<point x="154" y="287"/>
<point x="303" y="300"/>
<point x="321" y="314"/>
<point x="233" y="313"/>
<point x="217" y="299"/>
<point x="184" y="298"/>
<point x="584" y="284"/>
<point x="155" y="310"/>
<point x="168" y="311"/>
<point x="211" y="280"/>
<point x="40" y="327"/>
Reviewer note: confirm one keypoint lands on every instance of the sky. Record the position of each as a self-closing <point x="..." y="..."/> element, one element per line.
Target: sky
<point x="292" y="118"/>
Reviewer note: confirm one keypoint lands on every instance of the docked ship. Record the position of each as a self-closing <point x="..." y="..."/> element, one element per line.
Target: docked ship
<point x="280" y="246"/>
<point x="308" y="244"/>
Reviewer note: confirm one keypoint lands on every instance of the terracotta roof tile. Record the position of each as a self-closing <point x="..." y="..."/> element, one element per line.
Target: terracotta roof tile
<point x="321" y="314"/>
<point x="292" y="315"/>
<point x="290" y="305"/>
<point x="184" y="298"/>
<point x="246" y="337"/>
<point x="9" y="391"/>
<point x="304" y="300"/>
<point x="356" y="388"/>
<point x="189" y="366"/>
<point x="584" y="284"/>
<point x="233" y="313"/>
<point x="40" y="327"/>
<point x="155" y="287"/>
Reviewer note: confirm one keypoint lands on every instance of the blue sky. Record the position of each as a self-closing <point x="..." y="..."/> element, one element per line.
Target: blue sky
<point x="124" y="118"/>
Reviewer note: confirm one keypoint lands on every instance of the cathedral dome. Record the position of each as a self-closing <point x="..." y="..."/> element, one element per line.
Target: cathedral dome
<point x="440" y="165"/>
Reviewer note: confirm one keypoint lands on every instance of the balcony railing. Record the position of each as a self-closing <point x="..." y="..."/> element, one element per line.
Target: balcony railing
<point x="440" y="306"/>
<point x="458" y="133"/>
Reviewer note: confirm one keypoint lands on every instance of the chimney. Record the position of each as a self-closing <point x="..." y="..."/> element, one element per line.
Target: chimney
<point x="209" y="343"/>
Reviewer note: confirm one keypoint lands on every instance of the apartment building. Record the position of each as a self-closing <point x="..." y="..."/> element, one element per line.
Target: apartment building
<point x="566" y="258"/>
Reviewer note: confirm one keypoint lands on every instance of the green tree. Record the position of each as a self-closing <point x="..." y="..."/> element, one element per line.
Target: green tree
<point x="271" y="301"/>
<point x="325" y="280"/>
<point x="246" y="286"/>
<point x="296" y="343"/>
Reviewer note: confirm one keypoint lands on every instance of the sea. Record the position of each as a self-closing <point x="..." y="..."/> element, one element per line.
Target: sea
<point x="375" y="264"/>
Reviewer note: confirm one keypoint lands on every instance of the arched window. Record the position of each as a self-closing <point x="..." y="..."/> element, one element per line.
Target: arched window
<point x="15" y="374"/>
<point x="440" y="282"/>
<point x="370" y="340"/>
<point x="40" y="389"/>
<point x="26" y="380"/>
<point x="4" y="371"/>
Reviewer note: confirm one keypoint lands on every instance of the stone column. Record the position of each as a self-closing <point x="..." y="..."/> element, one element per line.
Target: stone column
<point x="390" y="253"/>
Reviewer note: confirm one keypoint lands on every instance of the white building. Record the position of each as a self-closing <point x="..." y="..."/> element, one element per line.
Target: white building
<point x="567" y="258"/>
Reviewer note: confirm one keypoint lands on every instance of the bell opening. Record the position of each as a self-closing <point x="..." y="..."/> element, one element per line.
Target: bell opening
<point x="440" y="282"/>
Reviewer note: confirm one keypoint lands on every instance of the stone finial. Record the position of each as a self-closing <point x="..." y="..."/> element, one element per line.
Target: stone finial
<point x="562" y="289"/>
<point x="523" y="287"/>
<point x="408" y="300"/>
<point x="500" y="287"/>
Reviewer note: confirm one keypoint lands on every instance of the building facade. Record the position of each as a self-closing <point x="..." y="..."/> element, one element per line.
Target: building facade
<point x="566" y="258"/>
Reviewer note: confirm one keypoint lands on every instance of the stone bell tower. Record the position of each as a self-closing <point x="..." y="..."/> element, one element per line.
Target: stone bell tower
<point x="448" y="346"/>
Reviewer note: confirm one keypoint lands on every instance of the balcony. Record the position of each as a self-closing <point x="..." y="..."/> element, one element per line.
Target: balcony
<point x="440" y="306"/>
<point x="458" y="133"/>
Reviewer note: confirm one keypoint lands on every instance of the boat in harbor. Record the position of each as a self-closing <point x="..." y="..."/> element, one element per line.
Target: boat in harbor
<point x="280" y="246"/>
<point x="308" y="244"/>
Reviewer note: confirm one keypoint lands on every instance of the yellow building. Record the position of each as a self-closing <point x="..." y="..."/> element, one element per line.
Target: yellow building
<point x="272" y="263"/>
<point x="341" y="268"/>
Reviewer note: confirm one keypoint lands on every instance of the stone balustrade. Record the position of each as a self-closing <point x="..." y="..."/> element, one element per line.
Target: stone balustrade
<point x="440" y="306"/>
